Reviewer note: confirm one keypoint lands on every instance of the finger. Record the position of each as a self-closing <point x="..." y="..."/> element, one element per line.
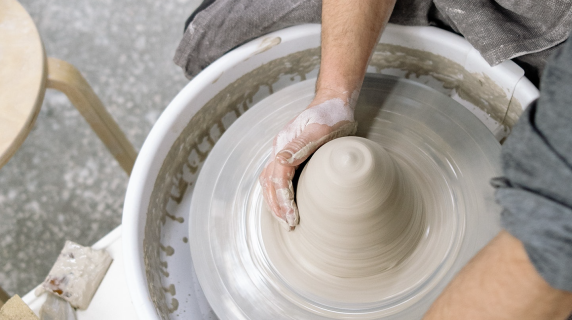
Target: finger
<point x="284" y="190"/>
<point x="302" y="146"/>
<point x="269" y="193"/>
<point x="313" y="137"/>
<point x="285" y="197"/>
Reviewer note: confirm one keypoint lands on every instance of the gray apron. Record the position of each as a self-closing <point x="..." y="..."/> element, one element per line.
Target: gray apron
<point x="529" y="30"/>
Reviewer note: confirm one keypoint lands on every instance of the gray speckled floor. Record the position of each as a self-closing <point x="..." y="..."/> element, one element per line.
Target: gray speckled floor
<point x="62" y="183"/>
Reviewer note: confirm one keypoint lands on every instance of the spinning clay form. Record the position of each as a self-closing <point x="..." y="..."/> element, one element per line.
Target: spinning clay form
<point x="360" y="215"/>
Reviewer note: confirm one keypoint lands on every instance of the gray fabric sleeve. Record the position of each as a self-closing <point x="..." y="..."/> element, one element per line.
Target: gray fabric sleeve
<point x="499" y="29"/>
<point x="505" y="29"/>
<point x="226" y="24"/>
<point x="536" y="190"/>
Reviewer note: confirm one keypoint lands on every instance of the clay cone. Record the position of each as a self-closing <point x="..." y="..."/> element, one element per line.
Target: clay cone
<point x="356" y="210"/>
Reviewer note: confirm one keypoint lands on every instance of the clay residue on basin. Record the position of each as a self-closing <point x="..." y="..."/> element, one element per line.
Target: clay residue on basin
<point x="513" y="113"/>
<point x="182" y="164"/>
<point x="265" y="45"/>
<point x="474" y="87"/>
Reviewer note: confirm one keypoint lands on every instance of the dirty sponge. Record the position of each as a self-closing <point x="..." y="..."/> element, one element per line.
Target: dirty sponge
<point x="77" y="273"/>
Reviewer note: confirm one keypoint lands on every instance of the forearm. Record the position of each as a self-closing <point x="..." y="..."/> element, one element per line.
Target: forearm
<point x="501" y="283"/>
<point x="350" y="30"/>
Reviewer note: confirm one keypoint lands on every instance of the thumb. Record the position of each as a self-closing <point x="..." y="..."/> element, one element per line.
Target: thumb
<point x="299" y="149"/>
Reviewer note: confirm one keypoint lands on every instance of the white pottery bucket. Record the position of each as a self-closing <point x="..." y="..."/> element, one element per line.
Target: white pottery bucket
<point x="158" y="262"/>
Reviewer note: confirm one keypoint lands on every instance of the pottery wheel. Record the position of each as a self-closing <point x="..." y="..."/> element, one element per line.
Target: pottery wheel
<point x="238" y="249"/>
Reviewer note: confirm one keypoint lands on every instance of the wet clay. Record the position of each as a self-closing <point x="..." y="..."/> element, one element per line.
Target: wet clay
<point x="376" y="220"/>
<point x="361" y="214"/>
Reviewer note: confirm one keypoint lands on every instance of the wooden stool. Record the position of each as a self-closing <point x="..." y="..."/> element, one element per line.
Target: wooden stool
<point x="26" y="72"/>
<point x="3" y="297"/>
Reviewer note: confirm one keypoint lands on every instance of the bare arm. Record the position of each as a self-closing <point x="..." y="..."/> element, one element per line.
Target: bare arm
<point x="500" y="282"/>
<point x="350" y="30"/>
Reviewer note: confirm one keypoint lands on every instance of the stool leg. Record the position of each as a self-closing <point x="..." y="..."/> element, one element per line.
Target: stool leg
<point x="64" y="77"/>
<point x="3" y="297"/>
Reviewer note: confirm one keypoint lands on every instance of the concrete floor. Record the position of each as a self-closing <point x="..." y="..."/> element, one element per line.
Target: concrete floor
<point x="62" y="183"/>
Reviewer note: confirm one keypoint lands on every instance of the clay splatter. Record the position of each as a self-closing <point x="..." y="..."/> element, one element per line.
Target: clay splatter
<point x="168" y="249"/>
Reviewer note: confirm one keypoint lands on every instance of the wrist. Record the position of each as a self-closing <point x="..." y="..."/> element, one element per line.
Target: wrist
<point x="333" y="92"/>
<point x="349" y="96"/>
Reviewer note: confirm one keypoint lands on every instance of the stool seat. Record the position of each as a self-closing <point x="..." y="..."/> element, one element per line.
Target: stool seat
<point x="22" y="76"/>
<point x="25" y="73"/>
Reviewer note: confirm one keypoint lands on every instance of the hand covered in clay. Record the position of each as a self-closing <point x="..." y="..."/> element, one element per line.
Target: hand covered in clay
<point x="328" y="117"/>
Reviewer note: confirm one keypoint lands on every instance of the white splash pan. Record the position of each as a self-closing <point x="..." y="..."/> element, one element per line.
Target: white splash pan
<point x="158" y="264"/>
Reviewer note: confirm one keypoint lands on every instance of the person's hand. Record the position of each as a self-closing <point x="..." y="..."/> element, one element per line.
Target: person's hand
<point x="329" y="116"/>
<point x="350" y="30"/>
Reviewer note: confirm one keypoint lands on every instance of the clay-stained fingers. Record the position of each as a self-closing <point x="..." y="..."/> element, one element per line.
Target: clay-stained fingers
<point x="282" y="181"/>
<point x="278" y="192"/>
<point x="313" y="137"/>
<point x="268" y="191"/>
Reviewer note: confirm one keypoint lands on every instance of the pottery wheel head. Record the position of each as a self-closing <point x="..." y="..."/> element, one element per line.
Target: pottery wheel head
<point x="386" y="218"/>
